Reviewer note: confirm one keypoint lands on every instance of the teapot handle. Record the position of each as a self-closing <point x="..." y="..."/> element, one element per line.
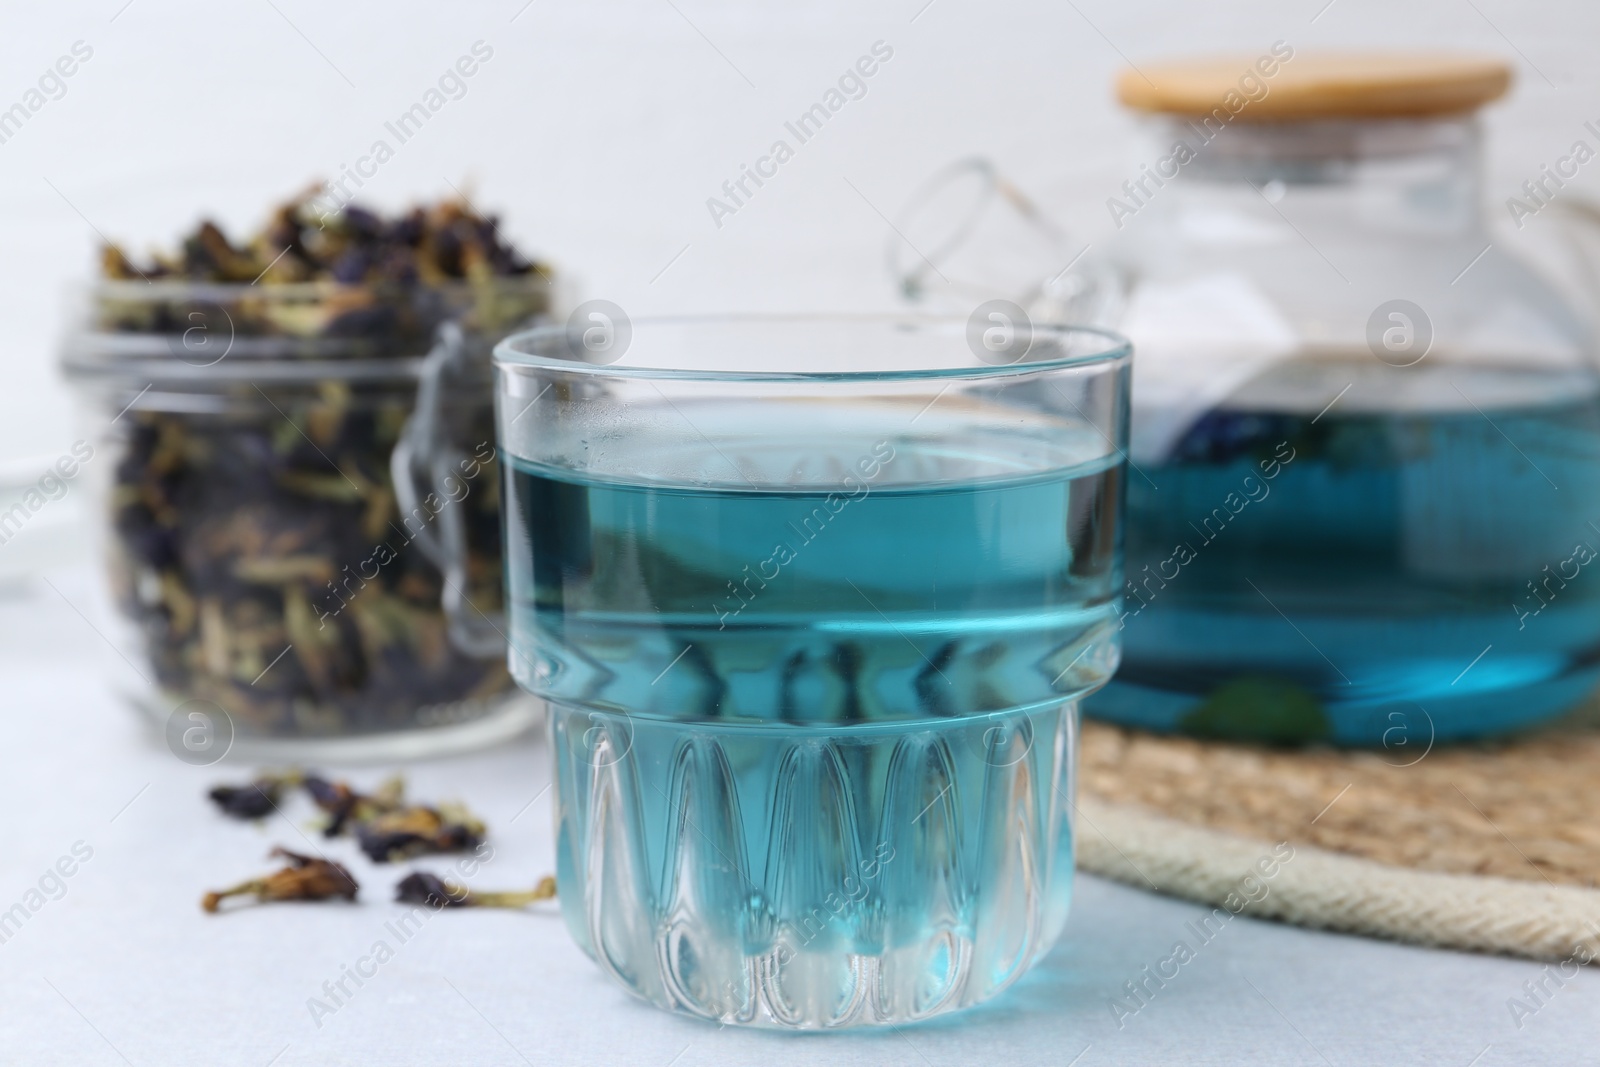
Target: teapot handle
<point x="920" y="271"/>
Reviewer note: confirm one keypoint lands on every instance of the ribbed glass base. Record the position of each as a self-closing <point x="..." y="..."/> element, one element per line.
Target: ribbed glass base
<point x="815" y="876"/>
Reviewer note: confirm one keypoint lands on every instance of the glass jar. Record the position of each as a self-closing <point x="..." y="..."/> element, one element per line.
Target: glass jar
<point x="303" y="512"/>
<point x="1365" y="454"/>
<point x="813" y="639"/>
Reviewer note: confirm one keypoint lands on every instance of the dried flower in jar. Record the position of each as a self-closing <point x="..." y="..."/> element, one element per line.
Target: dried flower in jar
<point x="428" y="245"/>
<point x="258" y="544"/>
<point x="305" y="878"/>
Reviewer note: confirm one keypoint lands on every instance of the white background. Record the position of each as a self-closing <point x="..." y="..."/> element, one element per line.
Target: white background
<point x="598" y="131"/>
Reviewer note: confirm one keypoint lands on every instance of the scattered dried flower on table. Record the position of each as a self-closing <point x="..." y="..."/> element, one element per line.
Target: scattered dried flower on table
<point x="424" y="888"/>
<point x="346" y="807"/>
<point x="384" y="826"/>
<point x="255" y="800"/>
<point x="306" y="878"/>
<point x="412" y="831"/>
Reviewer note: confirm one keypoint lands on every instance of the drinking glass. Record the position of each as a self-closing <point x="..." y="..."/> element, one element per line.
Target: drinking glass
<point x="813" y="601"/>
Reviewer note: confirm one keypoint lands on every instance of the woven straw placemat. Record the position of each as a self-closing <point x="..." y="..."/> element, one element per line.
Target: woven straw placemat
<point x="1492" y="846"/>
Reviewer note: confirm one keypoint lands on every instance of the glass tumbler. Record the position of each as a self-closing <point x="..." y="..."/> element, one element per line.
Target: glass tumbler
<point x="813" y="637"/>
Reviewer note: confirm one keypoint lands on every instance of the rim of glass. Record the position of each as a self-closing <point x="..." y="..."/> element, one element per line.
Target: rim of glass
<point x="1114" y="347"/>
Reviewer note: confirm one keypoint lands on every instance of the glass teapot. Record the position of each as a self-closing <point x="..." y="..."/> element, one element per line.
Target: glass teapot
<point x="1364" y="481"/>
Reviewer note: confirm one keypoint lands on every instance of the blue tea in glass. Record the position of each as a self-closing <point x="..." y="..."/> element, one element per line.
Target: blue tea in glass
<point x="813" y="601"/>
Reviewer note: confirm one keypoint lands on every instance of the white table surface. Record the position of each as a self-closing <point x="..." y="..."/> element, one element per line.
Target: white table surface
<point x="125" y="968"/>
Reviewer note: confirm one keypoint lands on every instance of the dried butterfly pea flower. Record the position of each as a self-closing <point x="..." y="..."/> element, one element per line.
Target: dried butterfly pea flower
<point x="412" y="831"/>
<point x="335" y="798"/>
<point x="388" y="829"/>
<point x="231" y="548"/>
<point x="261" y="522"/>
<point x="424" y="888"/>
<point x="306" y="878"/>
<point x="346" y="807"/>
<point x="430" y="245"/>
<point x="254" y="800"/>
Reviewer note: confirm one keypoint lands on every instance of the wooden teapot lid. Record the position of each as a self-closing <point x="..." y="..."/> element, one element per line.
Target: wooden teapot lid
<point x="1305" y="86"/>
